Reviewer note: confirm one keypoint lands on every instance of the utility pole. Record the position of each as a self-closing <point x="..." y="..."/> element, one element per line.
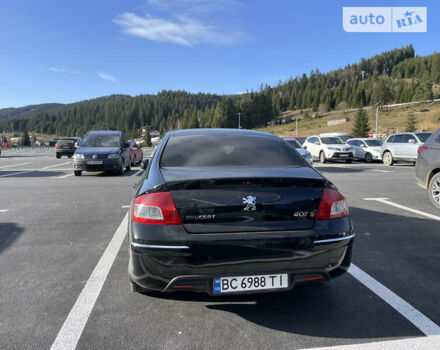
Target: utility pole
<point x="377" y="105"/>
<point x="296" y="128"/>
<point x="239" y="116"/>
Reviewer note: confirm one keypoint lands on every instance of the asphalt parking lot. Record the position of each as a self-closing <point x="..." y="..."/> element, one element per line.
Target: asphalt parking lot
<point x="63" y="275"/>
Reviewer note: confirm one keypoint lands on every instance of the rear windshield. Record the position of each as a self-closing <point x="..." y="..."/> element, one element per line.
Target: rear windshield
<point x="423" y="136"/>
<point x="101" y="140"/>
<point x="228" y="151"/>
<point x="65" y="142"/>
<point x="373" y="143"/>
<point x="293" y="143"/>
<point x="331" y="140"/>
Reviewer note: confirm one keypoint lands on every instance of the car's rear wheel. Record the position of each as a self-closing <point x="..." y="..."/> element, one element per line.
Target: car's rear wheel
<point x="77" y="172"/>
<point x="368" y="158"/>
<point x="434" y="190"/>
<point x="348" y="161"/>
<point x="69" y="156"/>
<point x="58" y="155"/>
<point x="388" y="159"/>
<point x="322" y="158"/>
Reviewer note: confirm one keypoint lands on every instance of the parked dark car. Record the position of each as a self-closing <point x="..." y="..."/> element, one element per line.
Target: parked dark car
<point x="66" y="146"/>
<point x="102" y="150"/>
<point x="428" y="168"/>
<point x="136" y="153"/>
<point x="209" y="216"/>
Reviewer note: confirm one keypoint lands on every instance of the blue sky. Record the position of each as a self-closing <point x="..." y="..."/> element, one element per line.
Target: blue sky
<point x="70" y="50"/>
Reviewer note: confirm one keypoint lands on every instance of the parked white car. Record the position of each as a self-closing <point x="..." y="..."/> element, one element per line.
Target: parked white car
<point x="403" y="146"/>
<point x="295" y="144"/>
<point x="328" y="149"/>
<point x="367" y="149"/>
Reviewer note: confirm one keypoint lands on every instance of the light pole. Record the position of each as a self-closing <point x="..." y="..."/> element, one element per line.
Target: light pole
<point x="239" y="116"/>
<point x="377" y="105"/>
<point x="296" y="128"/>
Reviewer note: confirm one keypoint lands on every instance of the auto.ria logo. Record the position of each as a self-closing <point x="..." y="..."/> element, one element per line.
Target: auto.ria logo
<point x="384" y="19"/>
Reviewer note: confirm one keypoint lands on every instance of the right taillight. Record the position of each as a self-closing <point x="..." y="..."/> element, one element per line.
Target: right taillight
<point x="155" y="208"/>
<point x="333" y="205"/>
<point x="421" y="149"/>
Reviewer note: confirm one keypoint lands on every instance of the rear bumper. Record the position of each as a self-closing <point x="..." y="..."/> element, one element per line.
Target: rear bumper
<point x="193" y="263"/>
<point x="107" y="165"/>
<point x="65" y="152"/>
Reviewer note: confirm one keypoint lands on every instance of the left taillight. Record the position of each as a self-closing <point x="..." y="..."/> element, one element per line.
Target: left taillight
<point x="155" y="208"/>
<point x="333" y="205"/>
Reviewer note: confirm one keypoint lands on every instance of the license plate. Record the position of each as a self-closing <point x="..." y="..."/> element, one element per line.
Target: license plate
<point x="94" y="162"/>
<point x="343" y="155"/>
<point x="250" y="283"/>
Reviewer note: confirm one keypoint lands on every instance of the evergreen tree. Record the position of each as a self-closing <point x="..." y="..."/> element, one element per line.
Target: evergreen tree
<point x="361" y="125"/>
<point x="25" y="139"/>
<point x="147" y="138"/>
<point x="411" y="123"/>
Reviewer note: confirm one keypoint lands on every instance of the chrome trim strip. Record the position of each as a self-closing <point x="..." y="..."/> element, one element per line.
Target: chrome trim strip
<point x="334" y="239"/>
<point x="153" y="246"/>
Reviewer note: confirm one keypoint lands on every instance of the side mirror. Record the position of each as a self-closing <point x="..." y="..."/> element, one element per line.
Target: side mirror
<point x="317" y="143"/>
<point x="125" y="145"/>
<point x="363" y="146"/>
<point x="144" y="164"/>
<point x="305" y="147"/>
<point x="76" y="144"/>
<point x="412" y="141"/>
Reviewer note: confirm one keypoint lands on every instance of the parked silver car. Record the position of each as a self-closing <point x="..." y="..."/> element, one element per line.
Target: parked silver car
<point x="428" y="168"/>
<point x="366" y="148"/>
<point x="402" y="147"/>
<point x="295" y="144"/>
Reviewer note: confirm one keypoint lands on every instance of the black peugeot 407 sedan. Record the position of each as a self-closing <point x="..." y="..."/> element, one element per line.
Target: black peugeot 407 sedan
<point x="232" y="211"/>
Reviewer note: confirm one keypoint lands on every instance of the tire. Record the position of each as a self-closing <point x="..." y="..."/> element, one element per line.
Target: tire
<point x="322" y="158"/>
<point x="58" y="156"/>
<point x="387" y="159"/>
<point x="348" y="161"/>
<point x="77" y="172"/>
<point x="121" y="170"/>
<point x="368" y="158"/>
<point x="434" y="190"/>
<point x="69" y="156"/>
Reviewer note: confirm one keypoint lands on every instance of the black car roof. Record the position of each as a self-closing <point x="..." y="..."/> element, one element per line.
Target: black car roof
<point x="109" y="132"/>
<point x="213" y="131"/>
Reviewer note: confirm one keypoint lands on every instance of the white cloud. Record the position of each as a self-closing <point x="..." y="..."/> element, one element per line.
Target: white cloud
<point x="63" y="70"/>
<point x="106" y="76"/>
<point x="183" y="22"/>
<point x="182" y="31"/>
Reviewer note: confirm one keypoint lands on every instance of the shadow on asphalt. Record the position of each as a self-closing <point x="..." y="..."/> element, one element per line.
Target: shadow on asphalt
<point x="9" y="233"/>
<point x="332" y="169"/>
<point x="30" y="174"/>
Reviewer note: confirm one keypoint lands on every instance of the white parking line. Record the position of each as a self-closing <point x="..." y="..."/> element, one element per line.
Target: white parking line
<point x="419" y="320"/>
<point x="9" y="166"/>
<point x="125" y="206"/>
<point x="383" y="171"/>
<point x="3" y="210"/>
<point x="138" y="172"/>
<point x="29" y="171"/>
<point x="386" y="201"/>
<point x="73" y="326"/>
<point x="426" y="343"/>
